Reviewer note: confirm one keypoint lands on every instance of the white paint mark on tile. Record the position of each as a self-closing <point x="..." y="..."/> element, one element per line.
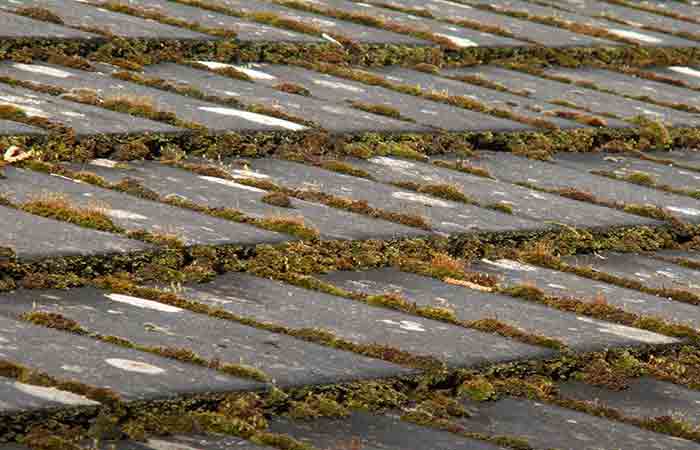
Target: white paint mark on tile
<point x="230" y="183"/>
<point x="101" y="162"/>
<point x="420" y="198"/>
<point x="254" y="117"/>
<point x="684" y="211"/>
<point x="635" y="36"/>
<point x="74" y="369"/>
<point x="629" y="332"/>
<point x="458" y="41"/>
<point x="123" y="214"/>
<point x="54" y="395"/>
<point x="143" y="303"/>
<point x="50" y="71"/>
<point x="391" y="162"/>
<point x="686" y="71"/>
<point x="252" y="73"/>
<point x="407" y="325"/>
<point x="72" y="114"/>
<point x="330" y="39"/>
<point x="556" y="286"/>
<point x="338" y="85"/>
<point x="509" y="264"/>
<point x="135" y="366"/>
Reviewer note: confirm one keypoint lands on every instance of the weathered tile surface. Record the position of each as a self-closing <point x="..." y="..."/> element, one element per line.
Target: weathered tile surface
<point x="564" y="285"/>
<point x="132" y="213"/>
<point x="678" y="254"/>
<point x="373" y="432"/>
<point x="523" y="29"/>
<point x="444" y="216"/>
<point x="425" y="112"/>
<point x="596" y="101"/>
<point x="17" y="397"/>
<point x="212" y="115"/>
<point x="628" y="85"/>
<point x="33" y="237"/>
<point x="548" y="175"/>
<point x="548" y="426"/>
<point x="15" y="26"/>
<point x="332" y="117"/>
<point x="631" y="33"/>
<point x="459" y="36"/>
<point x="272" y="301"/>
<point x="219" y="193"/>
<point x="84" y="119"/>
<point x="288" y="361"/>
<point x="134" y="375"/>
<point x="245" y="30"/>
<point x="524" y="106"/>
<point x="182" y="442"/>
<point x="626" y="166"/>
<point x="8" y="127"/>
<point x="330" y="25"/>
<point x="644" y="397"/>
<point x="687" y="74"/>
<point x="649" y="271"/>
<point x="524" y="202"/>
<point x="80" y="14"/>
<point x="577" y="332"/>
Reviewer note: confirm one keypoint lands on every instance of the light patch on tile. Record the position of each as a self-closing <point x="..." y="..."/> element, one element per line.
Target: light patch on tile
<point x="252" y="73"/>
<point x="684" y="211"/>
<point x="458" y="41"/>
<point x="456" y="5"/>
<point x="685" y="71"/>
<point x="509" y="264"/>
<point x="134" y="366"/>
<point x="338" y="85"/>
<point x="407" y="325"/>
<point x="391" y="162"/>
<point x="330" y="39"/>
<point x="249" y="174"/>
<point x="143" y="303"/>
<point x="230" y="183"/>
<point x="420" y="198"/>
<point x="50" y="71"/>
<point x="254" y="117"/>
<point x="28" y="110"/>
<point x="54" y="395"/>
<point x="157" y="444"/>
<point x="122" y="214"/>
<point x="101" y="162"/>
<point x="635" y="36"/>
<point x="628" y="332"/>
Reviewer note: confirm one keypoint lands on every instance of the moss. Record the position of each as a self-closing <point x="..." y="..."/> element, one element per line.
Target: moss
<point x="278" y="199"/>
<point x="56" y="206"/>
<point x="446" y="191"/>
<point x="382" y="110"/>
<point x="37" y="13"/>
<point x="503" y="329"/>
<point x="478" y="389"/>
<point x="293" y="225"/>
<point x="401" y="151"/>
<point x="427" y="68"/>
<point x="12" y="112"/>
<point x="465" y="167"/>
<point x="292" y="88"/>
<point x="501" y="206"/>
<point x="345" y="168"/>
<point x="53" y="320"/>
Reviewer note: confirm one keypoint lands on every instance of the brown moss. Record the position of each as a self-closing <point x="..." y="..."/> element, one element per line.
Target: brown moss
<point x="37" y="13"/>
<point x="346" y="168"/>
<point x="465" y="167"/>
<point x="278" y="199"/>
<point x="382" y="110"/>
<point x="292" y="88"/>
<point x="59" y="207"/>
<point x="53" y="320"/>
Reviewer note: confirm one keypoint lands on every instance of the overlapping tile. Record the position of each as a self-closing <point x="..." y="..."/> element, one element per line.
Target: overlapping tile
<point x="332" y="117"/>
<point x="131" y="374"/>
<point x="80" y="14"/>
<point x="21" y="397"/>
<point x="373" y="432"/>
<point x="508" y="167"/>
<point x="287" y="361"/>
<point x="425" y="112"/>
<point x="16" y="26"/>
<point x="220" y="193"/>
<point x="133" y="213"/>
<point x="213" y="116"/>
<point x="84" y="119"/>
<point x="182" y="442"/>
<point x="595" y="101"/>
<point x="524" y="106"/>
<point x="524" y="202"/>
<point x="33" y="237"/>
<point x="566" y="285"/>
<point x="444" y="216"/>
<point x="643" y="398"/>
<point x="8" y="127"/>
<point x="577" y="332"/>
<point x="549" y="426"/>
<point x="275" y="302"/>
<point x="330" y="25"/>
<point x="650" y="272"/>
<point x="685" y="74"/>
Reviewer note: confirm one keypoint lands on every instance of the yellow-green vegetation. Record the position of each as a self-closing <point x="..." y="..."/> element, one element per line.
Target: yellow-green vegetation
<point x="59" y="207"/>
<point x="346" y="168"/>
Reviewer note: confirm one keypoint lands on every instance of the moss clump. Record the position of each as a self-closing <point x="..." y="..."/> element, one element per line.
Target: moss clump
<point x="59" y="207"/>
<point x="53" y="320"/>
<point x="292" y="88"/>
<point x="463" y="166"/>
<point x="446" y="191"/>
<point x="400" y="150"/>
<point x="653" y="134"/>
<point x="42" y="14"/>
<point x="382" y="110"/>
<point x="498" y="327"/>
<point x="278" y="199"/>
<point x="427" y="68"/>
<point x="293" y="225"/>
<point x="641" y="178"/>
<point x="346" y="168"/>
<point x="12" y="112"/>
<point x="478" y="389"/>
<point x="242" y="370"/>
<point x="501" y="206"/>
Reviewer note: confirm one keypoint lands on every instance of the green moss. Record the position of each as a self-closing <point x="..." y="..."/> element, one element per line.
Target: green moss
<point x="478" y="389"/>
<point x="53" y="320"/>
<point x="278" y="199"/>
<point x="346" y="168"/>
